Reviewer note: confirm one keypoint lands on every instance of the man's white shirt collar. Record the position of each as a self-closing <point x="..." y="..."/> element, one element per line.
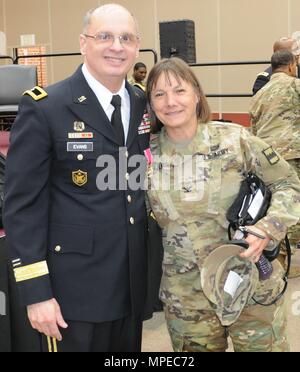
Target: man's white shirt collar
<point x="103" y="94"/>
<point x="104" y="97"/>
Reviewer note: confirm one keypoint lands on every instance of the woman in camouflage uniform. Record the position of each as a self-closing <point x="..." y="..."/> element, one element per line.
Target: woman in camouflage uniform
<point x="194" y="177"/>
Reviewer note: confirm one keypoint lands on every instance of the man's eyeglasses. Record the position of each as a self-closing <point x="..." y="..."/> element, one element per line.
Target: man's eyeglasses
<point x="109" y="39"/>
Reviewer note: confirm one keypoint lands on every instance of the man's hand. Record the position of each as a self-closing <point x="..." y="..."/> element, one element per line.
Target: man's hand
<point x="46" y="317"/>
<point x="256" y="245"/>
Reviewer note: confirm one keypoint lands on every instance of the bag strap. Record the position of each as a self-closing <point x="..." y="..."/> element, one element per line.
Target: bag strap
<point x="285" y="277"/>
<point x="289" y="256"/>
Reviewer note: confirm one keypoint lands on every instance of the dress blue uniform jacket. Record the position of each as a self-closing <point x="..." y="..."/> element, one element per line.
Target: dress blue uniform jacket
<point x="67" y="239"/>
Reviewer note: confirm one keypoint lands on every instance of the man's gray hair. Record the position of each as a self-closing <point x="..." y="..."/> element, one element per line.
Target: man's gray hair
<point x="282" y="58"/>
<point x="102" y="9"/>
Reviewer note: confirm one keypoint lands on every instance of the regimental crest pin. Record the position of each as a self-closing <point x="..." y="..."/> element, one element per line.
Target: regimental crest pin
<point x="79" y="178"/>
<point x="79" y="126"/>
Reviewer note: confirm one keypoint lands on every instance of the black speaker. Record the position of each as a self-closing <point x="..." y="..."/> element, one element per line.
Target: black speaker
<point x="177" y="39"/>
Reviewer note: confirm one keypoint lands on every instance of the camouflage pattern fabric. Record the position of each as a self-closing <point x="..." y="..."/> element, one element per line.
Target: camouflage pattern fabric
<point x="275" y="115"/>
<point x="228" y="281"/>
<point x="193" y="215"/>
<point x="294" y="231"/>
<point x="254" y="331"/>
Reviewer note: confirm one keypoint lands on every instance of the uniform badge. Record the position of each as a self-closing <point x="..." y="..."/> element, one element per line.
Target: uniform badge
<point x="82" y="99"/>
<point x="79" y="178"/>
<point x="17" y="262"/>
<point x="80" y="146"/>
<point x="79" y="126"/>
<point x="77" y="135"/>
<point x="149" y="156"/>
<point x="145" y="126"/>
<point x="150" y="161"/>
<point x="271" y="155"/>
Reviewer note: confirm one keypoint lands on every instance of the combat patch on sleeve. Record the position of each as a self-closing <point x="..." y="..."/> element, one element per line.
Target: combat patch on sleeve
<point x="37" y="93"/>
<point x="271" y="155"/>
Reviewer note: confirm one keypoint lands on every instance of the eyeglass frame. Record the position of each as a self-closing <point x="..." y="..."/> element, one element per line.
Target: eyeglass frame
<point x="113" y="37"/>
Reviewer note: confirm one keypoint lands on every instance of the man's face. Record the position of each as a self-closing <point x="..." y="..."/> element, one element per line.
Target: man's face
<point x="110" y="60"/>
<point x="140" y="74"/>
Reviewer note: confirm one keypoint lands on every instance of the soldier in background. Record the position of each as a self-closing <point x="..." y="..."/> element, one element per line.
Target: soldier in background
<point x="289" y="43"/>
<point x="191" y="209"/>
<point x="275" y="117"/>
<point x="139" y="76"/>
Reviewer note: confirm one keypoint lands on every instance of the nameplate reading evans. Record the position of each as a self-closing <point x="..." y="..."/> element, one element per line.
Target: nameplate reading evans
<point x="80" y="146"/>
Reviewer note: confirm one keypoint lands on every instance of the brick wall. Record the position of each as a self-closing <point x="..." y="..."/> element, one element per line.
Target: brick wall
<point x="39" y="62"/>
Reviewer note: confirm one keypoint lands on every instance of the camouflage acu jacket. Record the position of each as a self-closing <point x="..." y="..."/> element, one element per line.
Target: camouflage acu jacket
<point x="275" y="115"/>
<point x="192" y="186"/>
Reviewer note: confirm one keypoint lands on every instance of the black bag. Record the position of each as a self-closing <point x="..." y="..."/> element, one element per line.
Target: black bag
<point x="252" y="189"/>
<point x="238" y="214"/>
<point x="2" y="169"/>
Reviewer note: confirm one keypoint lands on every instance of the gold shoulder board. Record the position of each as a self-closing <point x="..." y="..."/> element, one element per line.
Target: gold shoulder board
<point x="37" y="93"/>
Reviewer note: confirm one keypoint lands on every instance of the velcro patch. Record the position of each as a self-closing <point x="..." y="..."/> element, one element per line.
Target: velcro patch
<point x="271" y="155"/>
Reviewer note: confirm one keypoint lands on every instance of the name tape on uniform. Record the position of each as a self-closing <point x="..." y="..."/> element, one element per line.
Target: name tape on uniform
<point x="79" y="146"/>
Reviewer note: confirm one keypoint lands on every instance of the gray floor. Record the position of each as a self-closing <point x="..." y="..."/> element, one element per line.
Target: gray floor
<point x="156" y="338"/>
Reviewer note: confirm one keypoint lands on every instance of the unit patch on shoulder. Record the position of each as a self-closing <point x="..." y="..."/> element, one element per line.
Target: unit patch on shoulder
<point x="37" y="93"/>
<point x="271" y="155"/>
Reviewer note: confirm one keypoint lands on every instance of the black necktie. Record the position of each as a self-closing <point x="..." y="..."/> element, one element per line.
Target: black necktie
<point x="116" y="119"/>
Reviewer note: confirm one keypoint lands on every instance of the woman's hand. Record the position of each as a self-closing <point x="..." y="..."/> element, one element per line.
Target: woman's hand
<point x="256" y="245"/>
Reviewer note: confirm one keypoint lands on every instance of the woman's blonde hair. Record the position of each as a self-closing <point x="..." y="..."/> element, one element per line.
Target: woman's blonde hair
<point x="181" y="71"/>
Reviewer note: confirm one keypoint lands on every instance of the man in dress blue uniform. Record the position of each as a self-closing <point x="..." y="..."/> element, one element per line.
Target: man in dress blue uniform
<point x="79" y="254"/>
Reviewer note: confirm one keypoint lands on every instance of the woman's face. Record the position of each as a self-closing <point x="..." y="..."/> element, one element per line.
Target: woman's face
<point x="174" y="102"/>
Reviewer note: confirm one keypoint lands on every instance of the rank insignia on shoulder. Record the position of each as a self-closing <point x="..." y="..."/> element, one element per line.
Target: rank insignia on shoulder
<point x="37" y="93"/>
<point x="271" y="155"/>
<point x="265" y="74"/>
<point x="79" y="178"/>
